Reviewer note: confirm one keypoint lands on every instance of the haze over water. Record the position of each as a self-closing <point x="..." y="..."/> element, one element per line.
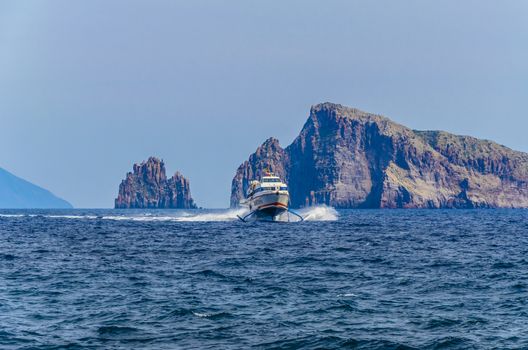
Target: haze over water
<point x="371" y="279"/>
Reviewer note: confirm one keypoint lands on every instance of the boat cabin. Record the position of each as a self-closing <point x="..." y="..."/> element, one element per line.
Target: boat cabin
<point x="266" y="183"/>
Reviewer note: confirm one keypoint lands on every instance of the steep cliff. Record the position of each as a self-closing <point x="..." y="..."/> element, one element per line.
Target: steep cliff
<point x="348" y="158"/>
<point x="148" y="187"/>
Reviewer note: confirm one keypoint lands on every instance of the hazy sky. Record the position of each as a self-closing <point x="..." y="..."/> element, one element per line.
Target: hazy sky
<point x="87" y="88"/>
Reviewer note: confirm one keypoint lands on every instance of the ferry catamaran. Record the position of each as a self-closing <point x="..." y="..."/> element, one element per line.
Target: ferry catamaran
<point x="267" y="199"/>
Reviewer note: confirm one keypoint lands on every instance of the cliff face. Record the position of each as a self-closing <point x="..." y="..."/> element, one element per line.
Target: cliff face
<point x="347" y="158"/>
<point x="148" y="187"/>
<point x="270" y="156"/>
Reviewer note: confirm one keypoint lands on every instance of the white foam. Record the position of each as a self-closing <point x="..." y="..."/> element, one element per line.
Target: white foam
<point x="225" y="215"/>
<point x="49" y="216"/>
<point x="319" y="213"/>
<point x="346" y="295"/>
<point x="70" y="216"/>
<point x="135" y="218"/>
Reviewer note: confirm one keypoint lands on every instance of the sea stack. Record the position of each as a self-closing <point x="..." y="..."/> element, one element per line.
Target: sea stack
<point x="347" y="158"/>
<point x="148" y="187"/>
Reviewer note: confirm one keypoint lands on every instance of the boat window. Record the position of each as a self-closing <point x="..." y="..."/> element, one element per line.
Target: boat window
<point x="270" y="180"/>
<point x="284" y="188"/>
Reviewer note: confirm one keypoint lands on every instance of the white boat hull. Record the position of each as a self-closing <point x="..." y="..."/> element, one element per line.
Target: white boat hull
<point x="269" y="203"/>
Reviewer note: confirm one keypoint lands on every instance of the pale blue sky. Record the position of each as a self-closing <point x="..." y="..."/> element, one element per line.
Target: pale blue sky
<point x="87" y="88"/>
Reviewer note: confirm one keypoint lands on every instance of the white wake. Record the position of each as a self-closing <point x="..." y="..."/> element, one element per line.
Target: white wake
<point x="209" y="216"/>
<point x="321" y="213"/>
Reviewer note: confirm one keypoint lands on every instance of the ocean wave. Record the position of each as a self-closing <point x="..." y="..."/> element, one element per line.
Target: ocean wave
<point x="49" y="216"/>
<point x="212" y="316"/>
<point x="103" y="283"/>
<point x="332" y="342"/>
<point x="116" y="330"/>
<point x="346" y="295"/>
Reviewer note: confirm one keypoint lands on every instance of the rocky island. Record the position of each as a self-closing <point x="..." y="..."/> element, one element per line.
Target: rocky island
<point x="148" y="187"/>
<point x="347" y="158"/>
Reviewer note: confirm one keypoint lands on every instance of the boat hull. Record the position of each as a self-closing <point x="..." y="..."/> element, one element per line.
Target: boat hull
<point x="269" y="205"/>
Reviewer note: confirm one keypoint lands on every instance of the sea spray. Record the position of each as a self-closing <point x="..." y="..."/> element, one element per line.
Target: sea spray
<point x="319" y="213"/>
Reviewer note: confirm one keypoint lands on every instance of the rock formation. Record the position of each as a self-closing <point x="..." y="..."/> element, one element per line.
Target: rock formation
<point x="347" y="158"/>
<point x="148" y="187"/>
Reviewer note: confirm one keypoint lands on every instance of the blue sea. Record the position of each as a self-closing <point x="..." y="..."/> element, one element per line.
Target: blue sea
<point x="355" y="279"/>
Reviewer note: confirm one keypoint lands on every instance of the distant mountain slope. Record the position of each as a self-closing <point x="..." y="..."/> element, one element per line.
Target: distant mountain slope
<point x="17" y="193"/>
<point x="348" y="158"/>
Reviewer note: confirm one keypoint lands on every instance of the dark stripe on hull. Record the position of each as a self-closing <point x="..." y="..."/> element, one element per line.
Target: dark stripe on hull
<point x="271" y="210"/>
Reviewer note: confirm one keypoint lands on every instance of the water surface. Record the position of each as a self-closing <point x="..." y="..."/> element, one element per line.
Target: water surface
<point x="370" y="279"/>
